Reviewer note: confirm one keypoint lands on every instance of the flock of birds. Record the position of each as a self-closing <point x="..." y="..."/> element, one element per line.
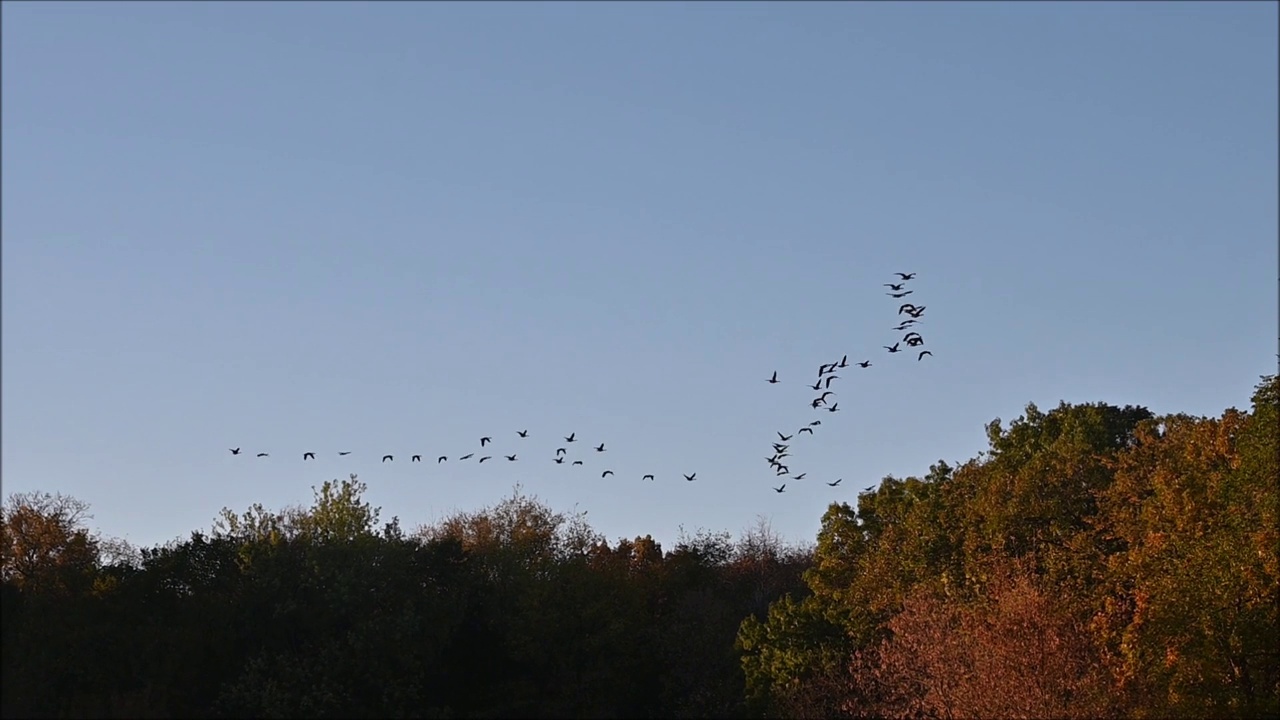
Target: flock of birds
<point x="827" y="375"/>
<point x="781" y="448"/>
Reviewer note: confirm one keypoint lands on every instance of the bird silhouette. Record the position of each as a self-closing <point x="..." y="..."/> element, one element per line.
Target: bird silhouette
<point x="801" y="476"/>
<point x="485" y="440"/>
<point x="830" y="378"/>
<point x="308" y="456"/>
<point x="486" y="457"/>
<point x="833" y="484"/>
<point x="416" y="458"/>
<point x="468" y="456"/>
<point x="917" y="312"/>
<point x="783" y="470"/>
<point x="773" y="379"/>
<point x="825" y="394"/>
<point x="441" y="459"/>
<point x="922" y="354"/>
<point x="844" y="362"/>
<point x="817" y="385"/>
<point x="896" y="288"/>
<point x="906" y="308"/>
<point x="600" y="447"/>
<point x="561" y="451"/>
<point x="834" y="407"/>
<point x="806" y="429"/>
<point x="577" y="462"/>
<point x="570" y="438"/>
<point x="779" y="447"/>
<point x="606" y="473"/>
<point x="234" y="451"/>
<point x="784" y="438"/>
<point x="817" y="402"/>
<point x="647" y="477"/>
<point x="865" y="364"/>
<point x="893" y="349"/>
<point x="522" y="433"/>
<point x="262" y="455"/>
<point x="559" y="460"/>
<point x="345" y="452"/>
<point x="816" y="423"/>
<point x="690" y="477"/>
<point x="781" y="490"/>
<point x="387" y="457"/>
<point x="512" y="458"/>
<point x="900" y="295"/>
<point x="905" y="276"/>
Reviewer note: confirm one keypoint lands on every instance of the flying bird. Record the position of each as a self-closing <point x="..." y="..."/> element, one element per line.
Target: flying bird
<point x="308" y="456"/>
<point x="834" y="407"/>
<point x="606" y="473"/>
<point x="917" y="312"/>
<point x="906" y="308"/>
<point x="262" y="455"/>
<point x="816" y="423"/>
<point x="806" y="429"/>
<point x="647" y="477"/>
<point x="559" y="460"/>
<point x="577" y="462"/>
<point x="817" y="402"/>
<point x="900" y="295"/>
<point x="561" y="451"/>
<point x="865" y="364"/>
<point x="784" y="438"/>
<point x="486" y="457"/>
<point x="773" y="379"/>
<point x="570" y="438"/>
<point x="896" y="288"/>
<point x="780" y="489"/>
<point x="833" y="484"/>
<point x="817" y="385"/>
<point x="801" y="476"/>
<point x="441" y="459"/>
<point x="348" y="452"/>
<point x="844" y="362"/>
<point x="690" y="477"/>
<point x="830" y="378"/>
<point x="416" y="458"/>
<point x="386" y="458"/>
<point x="600" y="447"/>
<point x="234" y="451"/>
<point x="922" y="354"/>
<point x="512" y="458"/>
<point x="522" y="433"/>
<point x="485" y="440"/>
<point x="468" y="456"/>
<point x="825" y="394"/>
<point x="905" y="276"/>
<point x="893" y="349"/>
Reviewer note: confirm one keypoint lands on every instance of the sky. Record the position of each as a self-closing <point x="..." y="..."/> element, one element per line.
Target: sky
<point x="396" y="228"/>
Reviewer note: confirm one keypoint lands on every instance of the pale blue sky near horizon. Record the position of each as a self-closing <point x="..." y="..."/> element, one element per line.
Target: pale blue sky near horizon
<point x="395" y="228"/>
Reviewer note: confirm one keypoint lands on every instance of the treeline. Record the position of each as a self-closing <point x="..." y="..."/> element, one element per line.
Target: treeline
<point x="1095" y="561"/>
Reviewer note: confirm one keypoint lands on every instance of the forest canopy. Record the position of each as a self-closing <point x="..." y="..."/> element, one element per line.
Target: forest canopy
<point x="1092" y="561"/>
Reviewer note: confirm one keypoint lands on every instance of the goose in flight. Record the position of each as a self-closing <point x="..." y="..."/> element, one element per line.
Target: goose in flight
<point x="441" y="459"/>
<point x="900" y="295"/>
<point x="690" y="477"/>
<point x="782" y="489"/>
<point x="780" y="447"/>
<point x="835" y="407"/>
<point x="830" y="378"/>
<point x="600" y="447"/>
<point x="817" y="385"/>
<point x="801" y="476"/>
<point x="606" y="473"/>
<point x="308" y="456"/>
<point x="774" y="379"/>
<point x="647" y="477"/>
<point x="806" y="429"/>
<point x="468" y="456"/>
<point x="511" y="458"/>
<point x="561" y="451"/>
<point x="558" y="460"/>
<point x="262" y="455"/>
<point x="893" y="349"/>
<point x="817" y="402"/>
<point x="577" y="462"/>
<point x="895" y="287"/>
<point x="844" y="362"/>
<point x="784" y="438"/>
<point x="485" y="440"/>
<point x="922" y="354"/>
<point x="234" y="451"/>
<point x="833" y="484"/>
<point x="346" y="452"/>
<point x="486" y="457"/>
<point x="865" y="364"/>
<point x="906" y="308"/>
<point x="917" y="312"/>
<point x="522" y="433"/>
<point x="905" y="276"/>
<point x="385" y="458"/>
<point x="416" y="458"/>
<point x="570" y="438"/>
<point x="815" y="423"/>
<point x="825" y="394"/>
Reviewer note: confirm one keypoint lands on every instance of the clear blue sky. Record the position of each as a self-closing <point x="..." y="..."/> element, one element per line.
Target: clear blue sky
<point x="394" y="228"/>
